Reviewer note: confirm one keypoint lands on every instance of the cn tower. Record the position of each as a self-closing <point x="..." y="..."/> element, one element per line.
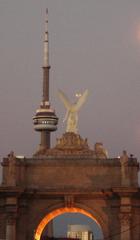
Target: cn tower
<point x="45" y="120"/>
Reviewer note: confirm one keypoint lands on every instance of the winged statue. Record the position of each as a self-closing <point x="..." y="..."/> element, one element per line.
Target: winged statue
<point x="72" y="109"/>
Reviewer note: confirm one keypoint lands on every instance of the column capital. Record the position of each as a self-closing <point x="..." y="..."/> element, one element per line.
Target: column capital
<point x="11" y="219"/>
<point x="125" y="218"/>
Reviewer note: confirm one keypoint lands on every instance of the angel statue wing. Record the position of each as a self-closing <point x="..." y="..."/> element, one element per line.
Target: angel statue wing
<point x="81" y="101"/>
<point x="64" y="99"/>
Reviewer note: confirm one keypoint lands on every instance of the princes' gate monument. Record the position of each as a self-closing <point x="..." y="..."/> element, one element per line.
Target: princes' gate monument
<point x="68" y="178"/>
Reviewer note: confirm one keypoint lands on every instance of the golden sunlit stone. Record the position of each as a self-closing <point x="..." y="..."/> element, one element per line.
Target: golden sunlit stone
<point x="56" y="213"/>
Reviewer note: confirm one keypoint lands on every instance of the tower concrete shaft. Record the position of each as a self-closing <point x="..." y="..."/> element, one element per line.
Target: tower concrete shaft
<point x="45" y="140"/>
<point x="46" y="84"/>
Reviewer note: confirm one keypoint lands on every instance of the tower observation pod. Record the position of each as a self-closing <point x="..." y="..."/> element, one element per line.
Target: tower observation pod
<point x="45" y="120"/>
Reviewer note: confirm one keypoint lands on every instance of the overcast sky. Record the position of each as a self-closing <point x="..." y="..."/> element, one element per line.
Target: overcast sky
<point x="94" y="44"/>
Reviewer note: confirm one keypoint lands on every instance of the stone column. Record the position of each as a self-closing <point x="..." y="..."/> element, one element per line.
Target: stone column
<point x="125" y="218"/>
<point x="11" y="209"/>
<point x="11" y="228"/>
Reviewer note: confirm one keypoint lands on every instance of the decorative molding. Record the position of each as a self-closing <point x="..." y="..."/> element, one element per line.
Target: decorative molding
<point x="69" y="201"/>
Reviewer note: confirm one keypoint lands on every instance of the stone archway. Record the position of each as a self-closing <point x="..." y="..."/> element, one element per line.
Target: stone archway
<point x="50" y="216"/>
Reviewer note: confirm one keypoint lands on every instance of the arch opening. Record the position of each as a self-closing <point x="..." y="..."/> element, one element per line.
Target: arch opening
<point x="50" y="216"/>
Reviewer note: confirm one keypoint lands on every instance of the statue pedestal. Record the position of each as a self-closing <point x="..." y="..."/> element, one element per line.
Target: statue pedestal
<point x="71" y="144"/>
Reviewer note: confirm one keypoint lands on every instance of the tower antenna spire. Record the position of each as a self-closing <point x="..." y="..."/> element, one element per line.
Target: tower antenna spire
<point x="45" y="121"/>
<point x="46" y="42"/>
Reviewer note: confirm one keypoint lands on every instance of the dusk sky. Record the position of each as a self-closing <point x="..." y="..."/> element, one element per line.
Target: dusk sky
<point x="95" y="45"/>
